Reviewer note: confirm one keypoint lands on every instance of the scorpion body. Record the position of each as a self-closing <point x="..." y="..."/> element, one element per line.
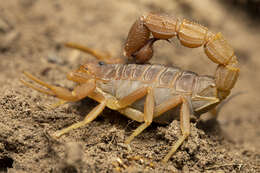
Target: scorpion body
<point x="145" y="92"/>
<point x="120" y="80"/>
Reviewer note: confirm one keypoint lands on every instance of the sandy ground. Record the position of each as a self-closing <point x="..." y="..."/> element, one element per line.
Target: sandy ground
<point x="32" y="34"/>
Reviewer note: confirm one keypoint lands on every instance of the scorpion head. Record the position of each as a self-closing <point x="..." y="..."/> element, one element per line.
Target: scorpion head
<point x="90" y="70"/>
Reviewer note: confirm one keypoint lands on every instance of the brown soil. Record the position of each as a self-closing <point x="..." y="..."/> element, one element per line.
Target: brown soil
<point x="31" y="38"/>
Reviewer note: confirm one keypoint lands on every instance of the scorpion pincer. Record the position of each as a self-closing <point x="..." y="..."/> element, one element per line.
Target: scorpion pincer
<point x="145" y="92"/>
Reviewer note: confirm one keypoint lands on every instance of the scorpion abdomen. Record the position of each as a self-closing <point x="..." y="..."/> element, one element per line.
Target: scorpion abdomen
<point x="124" y="78"/>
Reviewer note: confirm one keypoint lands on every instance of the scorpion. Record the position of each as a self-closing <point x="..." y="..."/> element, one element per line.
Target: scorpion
<point x="145" y="92"/>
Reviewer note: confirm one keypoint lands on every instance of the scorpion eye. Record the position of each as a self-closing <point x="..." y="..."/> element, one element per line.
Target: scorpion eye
<point x="101" y="63"/>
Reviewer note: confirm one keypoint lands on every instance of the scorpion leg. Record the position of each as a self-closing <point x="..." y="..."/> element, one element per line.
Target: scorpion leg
<point x="148" y="115"/>
<point x="133" y="114"/>
<point x="131" y="98"/>
<point x="114" y="103"/>
<point x="92" y="115"/>
<point x="159" y="110"/>
<point x="185" y="128"/>
<point x="167" y="105"/>
<point x="184" y="119"/>
<point x="121" y="106"/>
<point x="97" y="54"/>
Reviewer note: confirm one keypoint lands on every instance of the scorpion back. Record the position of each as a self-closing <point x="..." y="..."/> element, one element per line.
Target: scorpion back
<point x="120" y="80"/>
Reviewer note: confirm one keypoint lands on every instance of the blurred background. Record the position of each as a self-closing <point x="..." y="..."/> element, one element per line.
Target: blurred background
<point x="32" y="33"/>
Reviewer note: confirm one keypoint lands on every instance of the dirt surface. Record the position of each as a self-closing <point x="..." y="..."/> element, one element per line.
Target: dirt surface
<point x="32" y="34"/>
